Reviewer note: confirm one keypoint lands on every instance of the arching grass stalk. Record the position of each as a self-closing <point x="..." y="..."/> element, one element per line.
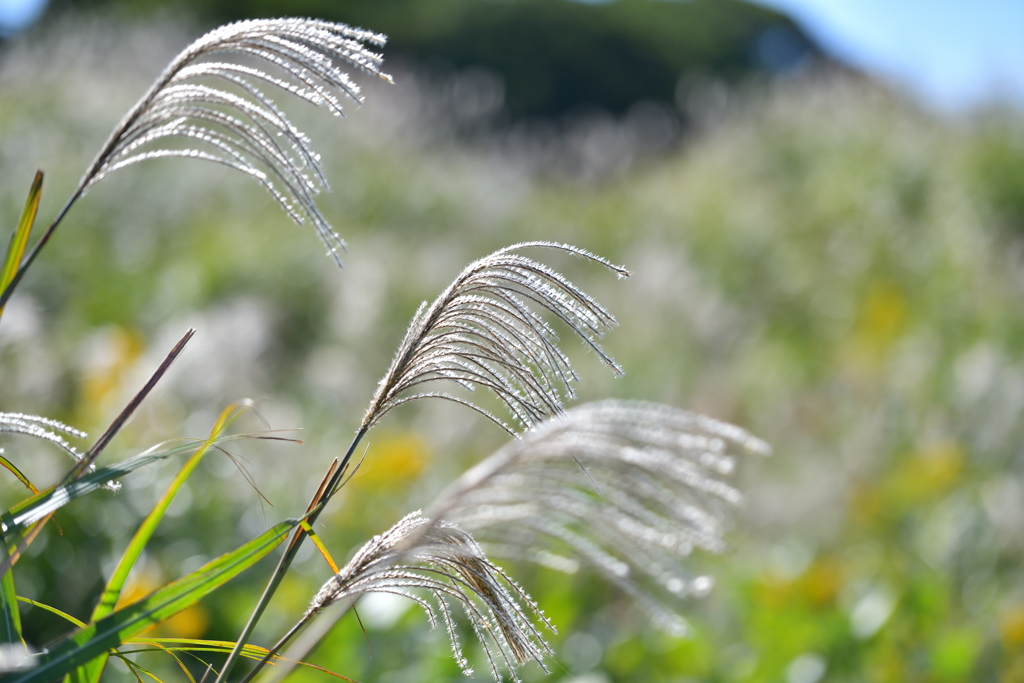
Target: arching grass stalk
<point x="211" y="97"/>
<point x="239" y="127"/>
<point x="663" y="475"/>
<point x="481" y="331"/>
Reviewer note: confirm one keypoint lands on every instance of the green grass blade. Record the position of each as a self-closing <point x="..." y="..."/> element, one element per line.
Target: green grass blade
<point x="108" y="600"/>
<point x="53" y="610"/>
<point x="197" y="645"/>
<point x="115" y="629"/>
<point x="193" y="645"/>
<point x="148" y="526"/>
<point x="16" y="248"/>
<point x="13" y="469"/>
<point x="132" y="668"/>
<point x="160" y="648"/>
<point x="136" y="670"/>
<point x="10" y="620"/>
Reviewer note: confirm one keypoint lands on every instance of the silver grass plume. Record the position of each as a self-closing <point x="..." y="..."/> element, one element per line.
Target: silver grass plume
<point x="212" y="102"/>
<point x="417" y="555"/>
<point x="42" y="428"/>
<point x="48" y="430"/>
<point x="483" y="331"/>
<point x="659" y="493"/>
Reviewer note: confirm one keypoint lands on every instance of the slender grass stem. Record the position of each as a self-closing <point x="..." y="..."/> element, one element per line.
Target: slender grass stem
<point x="277" y="647"/>
<point x="298" y="536"/>
<point x="307" y="642"/>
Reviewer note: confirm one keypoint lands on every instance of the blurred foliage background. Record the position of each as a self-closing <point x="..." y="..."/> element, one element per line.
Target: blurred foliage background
<point x="551" y="55"/>
<point x="816" y="259"/>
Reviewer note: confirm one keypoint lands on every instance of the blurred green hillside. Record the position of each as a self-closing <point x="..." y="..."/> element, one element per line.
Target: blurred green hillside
<point x="551" y="56"/>
<point x="823" y="264"/>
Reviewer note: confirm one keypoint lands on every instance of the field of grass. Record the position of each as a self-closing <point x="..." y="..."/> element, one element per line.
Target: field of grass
<point x="822" y="263"/>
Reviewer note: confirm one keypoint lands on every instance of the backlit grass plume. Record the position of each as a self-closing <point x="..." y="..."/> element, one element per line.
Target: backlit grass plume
<point x="212" y="102"/>
<point x="208" y="104"/>
<point x="629" y="488"/>
<point x="653" y="491"/>
<point x="416" y="556"/>
<point x="483" y="331"/>
<point x="660" y="493"/>
<point x="42" y="428"/>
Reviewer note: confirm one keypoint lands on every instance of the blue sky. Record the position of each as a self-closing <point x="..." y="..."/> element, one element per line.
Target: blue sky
<point x="951" y="53"/>
<point x="17" y="13"/>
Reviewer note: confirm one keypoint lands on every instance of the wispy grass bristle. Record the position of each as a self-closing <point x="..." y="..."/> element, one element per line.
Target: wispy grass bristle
<point x="241" y="127"/>
<point x="483" y="331"/>
<point x="417" y="555"/>
<point x="660" y="493"/>
<point x="42" y="428"/>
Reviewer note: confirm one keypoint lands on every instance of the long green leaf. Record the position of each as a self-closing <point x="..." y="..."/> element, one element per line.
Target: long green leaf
<point x="160" y="648"/>
<point x="16" y="248"/>
<point x="114" y="630"/>
<point x="10" y="620"/>
<point x="91" y="672"/>
<point x="136" y="670"/>
<point x="193" y="645"/>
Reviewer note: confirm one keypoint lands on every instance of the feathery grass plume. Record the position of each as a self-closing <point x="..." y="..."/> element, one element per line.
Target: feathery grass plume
<point x="241" y="127"/>
<point x="659" y="471"/>
<point x="417" y="554"/>
<point x="42" y="428"/>
<point x="482" y="332"/>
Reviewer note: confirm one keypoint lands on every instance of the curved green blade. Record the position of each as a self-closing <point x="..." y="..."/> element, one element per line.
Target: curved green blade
<point x="92" y="671"/>
<point x="10" y="620"/>
<point x="193" y="645"/>
<point x="145" y="531"/>
<point x="116" y="629"/>
<point x="13" y="469"/>
<point x="16" y="248"/>
<point x="53" y="610"/>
